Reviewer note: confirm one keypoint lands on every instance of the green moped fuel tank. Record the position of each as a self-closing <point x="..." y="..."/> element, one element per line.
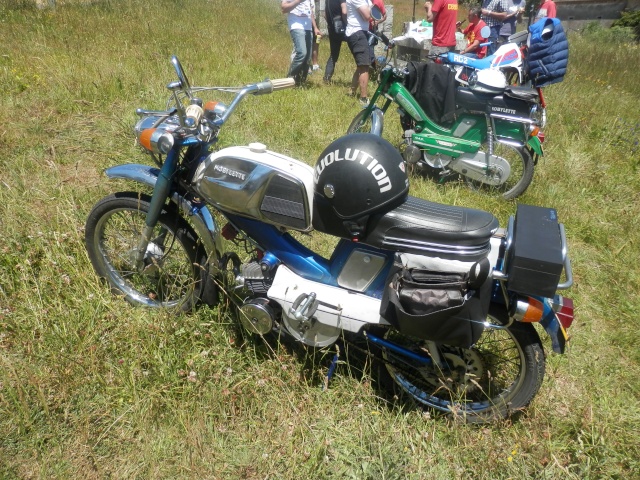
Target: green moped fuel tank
<point x="433" y="138"/>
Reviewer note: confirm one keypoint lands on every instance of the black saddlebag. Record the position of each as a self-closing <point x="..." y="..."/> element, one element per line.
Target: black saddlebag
<point x="444" y="307"/>
<point x="535" y="259"/>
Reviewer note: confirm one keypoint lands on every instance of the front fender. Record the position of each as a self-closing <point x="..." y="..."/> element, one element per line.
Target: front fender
<point x="138" y="173"/>
<point x="377" y="121"/>
<point x="200" y="216"/>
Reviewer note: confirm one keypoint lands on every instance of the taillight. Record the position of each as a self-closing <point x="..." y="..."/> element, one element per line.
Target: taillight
<point x="540" y="136"/>
<point x="563" y="307"/>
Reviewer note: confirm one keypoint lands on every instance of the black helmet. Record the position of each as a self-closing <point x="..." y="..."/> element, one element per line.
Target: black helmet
<point x="356" y="176"/>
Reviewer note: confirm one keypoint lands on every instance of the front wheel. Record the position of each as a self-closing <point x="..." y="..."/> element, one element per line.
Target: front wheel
<point x="362" y="123"/>
<point x="519" y="178"/>
<point x="495" y="378"/>
<point x="171" y="271"/>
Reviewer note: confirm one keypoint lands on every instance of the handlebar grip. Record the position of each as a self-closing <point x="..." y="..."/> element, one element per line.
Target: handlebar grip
<point x="194" y="113"/>
<point x="269" y="86"/>
<point x="282" y="83"/>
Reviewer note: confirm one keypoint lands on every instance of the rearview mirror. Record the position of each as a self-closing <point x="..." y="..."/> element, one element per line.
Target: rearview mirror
<point x="376" y="14"/>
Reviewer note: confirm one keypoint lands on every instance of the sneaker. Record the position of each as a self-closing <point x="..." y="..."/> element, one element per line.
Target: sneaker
<point x="315" y="68"/>
<point x="364" y="101"/>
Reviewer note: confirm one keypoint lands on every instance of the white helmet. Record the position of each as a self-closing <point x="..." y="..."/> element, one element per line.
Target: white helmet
<point x="488" y="81"/>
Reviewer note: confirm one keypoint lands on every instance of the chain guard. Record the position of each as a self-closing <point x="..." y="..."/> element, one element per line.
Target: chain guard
<point x="474" y="168"/>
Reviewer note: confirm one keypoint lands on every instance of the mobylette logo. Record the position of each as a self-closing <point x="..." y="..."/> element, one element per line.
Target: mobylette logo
<point x="363" y="158"/>
<point x="228" y="171"/>
<point x="410" y="109"/>
<point x="503" y="110"/>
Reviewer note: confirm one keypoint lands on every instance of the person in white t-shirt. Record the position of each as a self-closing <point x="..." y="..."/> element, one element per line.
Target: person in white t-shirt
<point x="358" y="16"/>
<point x="302" y="26"/>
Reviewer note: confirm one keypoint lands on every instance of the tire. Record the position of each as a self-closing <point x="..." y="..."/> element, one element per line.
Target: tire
<point x="520" y="177"/>
<point x="361" y="123"/>
<point x="172" y="274"/>
<point x="494" y="379"/>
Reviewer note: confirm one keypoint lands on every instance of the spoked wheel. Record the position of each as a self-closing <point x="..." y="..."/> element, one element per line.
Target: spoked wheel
<point x="171" y="271"/>
<point x="361" y="123"/>
<point x="495" y="378"/>
<point x="519" y="178"/>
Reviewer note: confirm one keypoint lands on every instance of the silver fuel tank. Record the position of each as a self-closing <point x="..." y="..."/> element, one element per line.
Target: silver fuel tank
<point x="254" y="182"/>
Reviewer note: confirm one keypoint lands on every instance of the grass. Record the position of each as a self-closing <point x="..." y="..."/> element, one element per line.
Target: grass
<point x="93" y="388"/>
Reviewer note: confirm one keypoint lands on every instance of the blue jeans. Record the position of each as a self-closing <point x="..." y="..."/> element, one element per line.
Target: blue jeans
<point x="493" y="38"/>
<point x="302" y="40"/>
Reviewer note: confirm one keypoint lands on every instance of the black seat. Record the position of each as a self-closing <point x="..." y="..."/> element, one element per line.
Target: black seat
<point x="506" y="104"/>
<point x="523" y="93"/>
<point x="427" y="228"/>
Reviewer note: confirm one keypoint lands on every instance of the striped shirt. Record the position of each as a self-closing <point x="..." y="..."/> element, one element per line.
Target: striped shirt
<point x="494" y="6"/>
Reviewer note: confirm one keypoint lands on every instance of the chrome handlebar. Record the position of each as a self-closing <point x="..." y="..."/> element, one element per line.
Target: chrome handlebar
<point x="188" y="107"/>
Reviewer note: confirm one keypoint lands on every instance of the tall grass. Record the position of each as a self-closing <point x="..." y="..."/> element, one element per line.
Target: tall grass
<point x="92" y="388"/>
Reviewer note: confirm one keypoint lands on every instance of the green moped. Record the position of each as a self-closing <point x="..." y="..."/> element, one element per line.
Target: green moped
<point x="493" y="141"/>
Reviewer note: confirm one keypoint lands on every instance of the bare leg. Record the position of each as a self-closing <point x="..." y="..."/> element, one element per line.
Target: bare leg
<point x="354" y="82"/>
<point x="314" y="53"/>
<point x="363" y="80"/>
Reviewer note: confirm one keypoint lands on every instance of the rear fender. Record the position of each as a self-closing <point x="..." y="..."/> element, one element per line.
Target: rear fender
<point x="535" y="145"/>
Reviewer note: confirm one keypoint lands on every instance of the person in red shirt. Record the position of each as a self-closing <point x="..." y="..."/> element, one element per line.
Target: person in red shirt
<point x="473" y="36"/>
<point x="443" y="14"/>
<point x="547" y="9"/>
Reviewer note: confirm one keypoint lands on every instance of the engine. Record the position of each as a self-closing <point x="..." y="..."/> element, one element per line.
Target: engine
<point x="257" y="314"/>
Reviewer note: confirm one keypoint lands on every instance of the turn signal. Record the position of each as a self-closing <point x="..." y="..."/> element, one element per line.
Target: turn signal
<point x="534" y="131"/>
<point x="156" y="141"/>
<point x="528" y="310"/>
<point x="145" y="138"/>
<point x="214" y="109"/>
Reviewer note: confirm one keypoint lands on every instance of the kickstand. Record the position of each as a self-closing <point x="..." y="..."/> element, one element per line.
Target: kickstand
<point x="332" y="368"/>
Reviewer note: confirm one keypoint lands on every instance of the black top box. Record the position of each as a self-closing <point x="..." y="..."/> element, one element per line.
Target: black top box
<point x="535" y="261"/>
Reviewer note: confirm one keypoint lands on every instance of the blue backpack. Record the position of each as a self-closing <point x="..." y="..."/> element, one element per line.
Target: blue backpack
<point x="548" y="52"/>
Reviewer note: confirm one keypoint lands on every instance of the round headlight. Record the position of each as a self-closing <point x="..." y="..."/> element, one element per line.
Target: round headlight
<point x="473" y="78"/>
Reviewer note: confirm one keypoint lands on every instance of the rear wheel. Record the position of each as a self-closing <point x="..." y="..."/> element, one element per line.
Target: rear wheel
<point x="492" y="380"/>
<point x="171" y="271"/>
<point x="519" y="178"/>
